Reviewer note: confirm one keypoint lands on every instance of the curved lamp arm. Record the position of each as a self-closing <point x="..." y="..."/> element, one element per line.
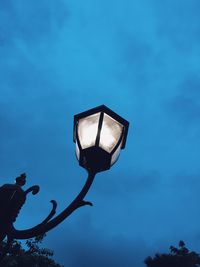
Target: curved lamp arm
<point x="33" y="189"/>
<point x="49" y="223"/>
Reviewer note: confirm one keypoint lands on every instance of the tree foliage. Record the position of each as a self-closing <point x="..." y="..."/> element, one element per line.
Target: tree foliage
<point x="178" y="257"/>
<point x="28" y="255"/>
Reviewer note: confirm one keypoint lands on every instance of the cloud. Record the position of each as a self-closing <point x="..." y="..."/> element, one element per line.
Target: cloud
<point x="125" y="184"/>
<point x="185" y="106"/>
<point x="178" y="24"/>
<point x="85" y="245"/>
<point x="188" y="182"/>
<point x="31" y="21"/>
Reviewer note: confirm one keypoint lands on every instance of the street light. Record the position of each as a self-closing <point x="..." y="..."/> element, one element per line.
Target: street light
<point x="99" y="135"/>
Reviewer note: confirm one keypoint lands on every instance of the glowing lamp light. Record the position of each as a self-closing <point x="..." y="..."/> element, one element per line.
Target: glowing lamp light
<point x="99" y="135"/>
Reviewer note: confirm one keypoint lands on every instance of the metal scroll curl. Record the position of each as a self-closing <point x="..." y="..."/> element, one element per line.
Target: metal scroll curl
<point x="49" y="222"/>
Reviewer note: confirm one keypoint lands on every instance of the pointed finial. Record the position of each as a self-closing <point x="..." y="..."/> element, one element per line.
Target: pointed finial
<point x="21" y="180"/>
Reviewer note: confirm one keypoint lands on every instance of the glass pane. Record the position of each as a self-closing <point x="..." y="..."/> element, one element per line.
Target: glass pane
<point x="87" y="130"/>
<point x="110" y="133"/>
<point x="116" y="154"/>
<point x="77" y="152"/>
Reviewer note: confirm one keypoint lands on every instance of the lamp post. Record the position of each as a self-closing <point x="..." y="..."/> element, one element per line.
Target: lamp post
<point x="99" y="135"/>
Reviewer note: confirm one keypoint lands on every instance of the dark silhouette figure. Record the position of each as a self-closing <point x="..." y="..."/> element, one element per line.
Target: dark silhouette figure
<point x="178" y="257"/>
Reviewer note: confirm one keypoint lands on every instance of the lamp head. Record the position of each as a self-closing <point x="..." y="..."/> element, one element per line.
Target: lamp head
<point x="99" y="134"/>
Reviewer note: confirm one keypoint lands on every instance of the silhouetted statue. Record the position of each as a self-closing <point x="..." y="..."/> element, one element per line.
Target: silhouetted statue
<point x="178" y="257"/>
<point x="12" y="198"/>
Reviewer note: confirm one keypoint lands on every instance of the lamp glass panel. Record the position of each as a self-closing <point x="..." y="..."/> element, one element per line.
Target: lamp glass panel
<point x="87" y="130"/>
<point x="110" y="133"/>
<point x="77" y="151"/>
<point x="116" y="154"/>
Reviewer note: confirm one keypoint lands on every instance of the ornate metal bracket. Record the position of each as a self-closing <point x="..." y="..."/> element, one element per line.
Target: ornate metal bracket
<point x="49" y="222"/>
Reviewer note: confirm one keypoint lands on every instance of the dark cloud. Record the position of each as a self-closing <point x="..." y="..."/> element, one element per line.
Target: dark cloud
<point x="134" y="50"/>
<point x="102" y="254"/>
<point x="185" y="106"/>
<point x="125" y="185"/>
<point x="85" y="245"/>
<point x="135" y="56"/>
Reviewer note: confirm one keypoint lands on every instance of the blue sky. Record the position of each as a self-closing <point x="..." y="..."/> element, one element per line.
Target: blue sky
<point x="141" y="59"/>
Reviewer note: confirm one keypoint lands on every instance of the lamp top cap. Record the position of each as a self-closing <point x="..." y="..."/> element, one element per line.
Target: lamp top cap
<point x="104" y="109"/>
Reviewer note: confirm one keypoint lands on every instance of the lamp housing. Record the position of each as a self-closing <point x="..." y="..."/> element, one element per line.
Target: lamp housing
<point x="99" y="135"/>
